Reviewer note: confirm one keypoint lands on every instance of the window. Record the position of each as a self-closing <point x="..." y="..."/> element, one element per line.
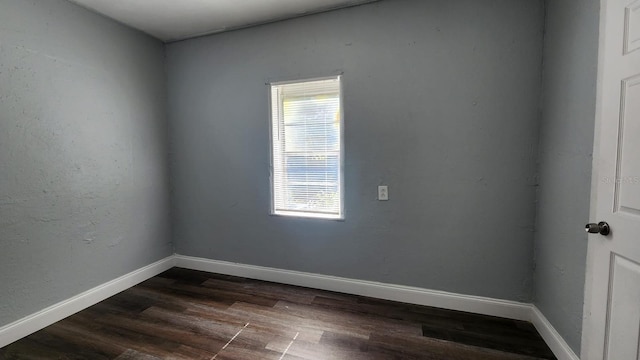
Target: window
<point x="307" y="148"/>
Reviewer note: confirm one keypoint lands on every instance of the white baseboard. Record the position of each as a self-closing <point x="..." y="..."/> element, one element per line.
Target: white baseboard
<point x="553" y="339"/>
<point x="37" y="321"/>
<point x="407" y="294"/>
<point x="413" y="295"/>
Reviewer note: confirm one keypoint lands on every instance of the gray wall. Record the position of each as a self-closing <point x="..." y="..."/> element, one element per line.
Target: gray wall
<point x="441" y="104"/>
<point x="83" y="169"/>
<point x="566" y="141"/>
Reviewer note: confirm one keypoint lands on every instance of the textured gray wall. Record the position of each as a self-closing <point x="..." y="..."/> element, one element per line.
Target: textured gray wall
<point x="441" y="104"/>
<point x="566" y="141"/>
<point x="83" y="169"/>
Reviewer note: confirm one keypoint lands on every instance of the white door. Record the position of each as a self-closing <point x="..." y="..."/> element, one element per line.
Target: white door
<point x="612" y="293"/>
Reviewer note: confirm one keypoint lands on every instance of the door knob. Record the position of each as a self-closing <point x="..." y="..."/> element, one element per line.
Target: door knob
<point x="601" y="228"/>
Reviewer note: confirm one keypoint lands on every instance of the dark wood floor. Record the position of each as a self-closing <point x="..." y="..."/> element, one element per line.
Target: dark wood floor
<point x="185" y="314"/>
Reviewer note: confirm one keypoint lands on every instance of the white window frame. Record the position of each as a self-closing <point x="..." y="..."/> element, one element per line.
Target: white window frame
<point x="317" y="215"/>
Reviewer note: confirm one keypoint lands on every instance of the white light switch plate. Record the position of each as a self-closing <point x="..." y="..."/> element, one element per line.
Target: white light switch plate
<point x="383" y="193"/>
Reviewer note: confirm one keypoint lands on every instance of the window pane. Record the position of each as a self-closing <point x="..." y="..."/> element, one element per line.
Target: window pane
<point x="306" y="128"/>
<point x="312" y="182"/>
<point x="312" y="123"/>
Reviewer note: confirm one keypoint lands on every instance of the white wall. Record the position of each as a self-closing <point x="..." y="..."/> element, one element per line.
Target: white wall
<point x="566" y="145"/>
<point x="441" y="104"/>
<point x="83" y="168"/>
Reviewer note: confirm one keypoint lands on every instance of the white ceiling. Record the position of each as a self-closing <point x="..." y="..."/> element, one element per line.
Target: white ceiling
<point x="170" y="20"/>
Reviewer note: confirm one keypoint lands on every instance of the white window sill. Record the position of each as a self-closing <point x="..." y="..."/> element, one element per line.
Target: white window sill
<point x="296" y="214"/>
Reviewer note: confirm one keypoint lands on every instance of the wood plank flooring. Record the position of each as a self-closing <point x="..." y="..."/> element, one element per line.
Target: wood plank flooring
<point x="185" y="314"/>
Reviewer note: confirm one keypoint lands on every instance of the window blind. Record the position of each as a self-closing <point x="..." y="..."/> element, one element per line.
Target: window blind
<point x="306" y="120"/>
